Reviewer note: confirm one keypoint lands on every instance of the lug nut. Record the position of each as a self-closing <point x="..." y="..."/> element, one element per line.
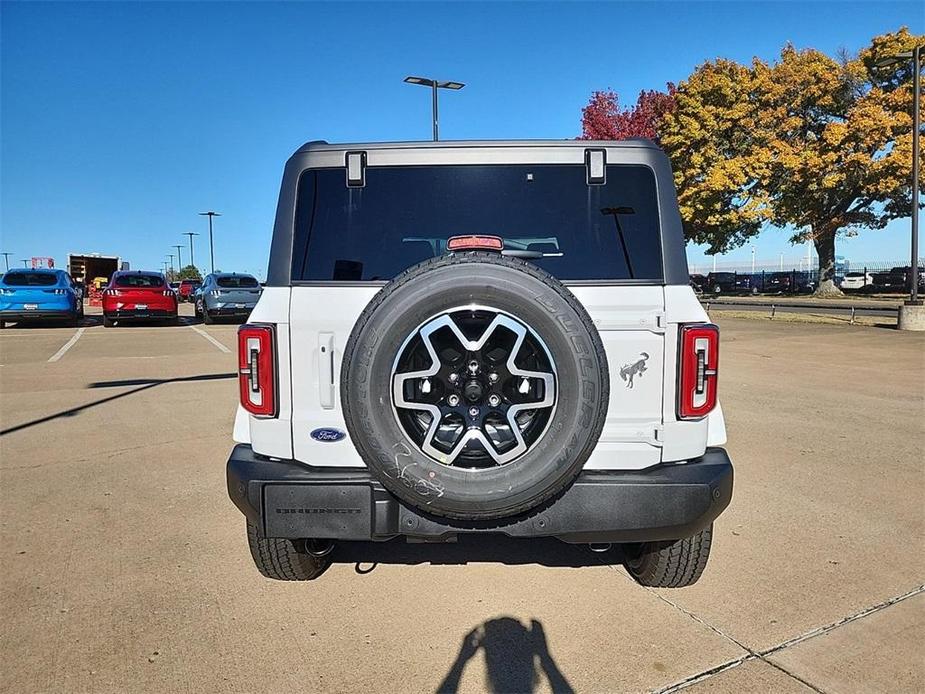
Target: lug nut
<point x="454" y="377"/>
<point x="473" y="411"/>
<point x="493" y="377"/>
<point x="453" y="400"/>
<point x="494" y="400"/>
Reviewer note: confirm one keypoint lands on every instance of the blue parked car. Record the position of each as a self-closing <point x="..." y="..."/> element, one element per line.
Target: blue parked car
<point x="39" y="295"/>
<point x="226" y="295"/>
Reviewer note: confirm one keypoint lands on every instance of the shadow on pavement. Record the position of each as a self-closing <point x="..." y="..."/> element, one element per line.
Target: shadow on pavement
<point x="515" y="657"/>
<point x="494" y="548"/>
<point x="144" y="383"/>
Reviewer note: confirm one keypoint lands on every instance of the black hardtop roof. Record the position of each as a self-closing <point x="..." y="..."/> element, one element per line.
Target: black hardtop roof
<point x="324" y="146"/>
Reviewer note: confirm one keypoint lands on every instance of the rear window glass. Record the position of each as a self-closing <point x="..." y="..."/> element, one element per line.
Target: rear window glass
<point x="30" y="279"/>
<point x="237" y="282"/>
<point x="139" y="281"/>
<point x="546" y="213"/>
<point x="190" y="283"/>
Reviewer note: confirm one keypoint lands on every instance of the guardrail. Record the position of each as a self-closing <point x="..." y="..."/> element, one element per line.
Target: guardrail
<point x="851" y="310"/>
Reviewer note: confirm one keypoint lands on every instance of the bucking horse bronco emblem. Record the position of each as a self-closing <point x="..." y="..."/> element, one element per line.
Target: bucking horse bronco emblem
<point x="629" y="371"/>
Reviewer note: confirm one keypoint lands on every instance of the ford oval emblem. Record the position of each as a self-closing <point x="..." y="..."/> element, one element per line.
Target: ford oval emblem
<point x="328" y="435"/>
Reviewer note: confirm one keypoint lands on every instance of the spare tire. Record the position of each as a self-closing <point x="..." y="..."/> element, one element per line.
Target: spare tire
<point x="474" y="386"/>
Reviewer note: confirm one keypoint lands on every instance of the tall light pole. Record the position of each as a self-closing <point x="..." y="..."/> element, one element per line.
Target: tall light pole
<point x="170" y="255"/>
<point x="211" y="214"/>
<point x="915" y="55"/>
<point x="191" y="234"/>
<point x="434" y="86"/>
<point x="179" y="248"/>
<point x="25" y="262"/>
<point x="6" y="259"/>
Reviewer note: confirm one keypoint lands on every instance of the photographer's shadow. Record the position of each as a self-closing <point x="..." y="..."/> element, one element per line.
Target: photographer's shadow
<point x="516" y="656"/>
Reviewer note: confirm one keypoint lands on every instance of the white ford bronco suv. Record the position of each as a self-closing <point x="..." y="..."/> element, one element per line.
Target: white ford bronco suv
<point x="479" y="337"/>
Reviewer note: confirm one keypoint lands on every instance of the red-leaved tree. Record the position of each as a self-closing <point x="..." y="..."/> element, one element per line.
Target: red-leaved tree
<point x="604" y="119"/>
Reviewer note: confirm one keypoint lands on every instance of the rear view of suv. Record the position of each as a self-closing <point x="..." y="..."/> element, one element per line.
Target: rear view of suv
<point x="139" y="295"/>
<point x="476" y="338"/>
<point x="226" y="295"/>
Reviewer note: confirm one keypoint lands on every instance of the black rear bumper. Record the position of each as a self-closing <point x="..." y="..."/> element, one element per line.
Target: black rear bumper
<point x="287" y="499"/>
<point x="38" y="314"/>
<point x="134" y="314"/>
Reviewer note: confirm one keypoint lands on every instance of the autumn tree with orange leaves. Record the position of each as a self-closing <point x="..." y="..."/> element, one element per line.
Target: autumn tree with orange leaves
<point x="816" y="145"/>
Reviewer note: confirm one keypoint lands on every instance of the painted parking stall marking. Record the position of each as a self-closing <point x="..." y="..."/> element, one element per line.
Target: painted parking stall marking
<point x="67" y="345"/>
<point x="211" y="339"/>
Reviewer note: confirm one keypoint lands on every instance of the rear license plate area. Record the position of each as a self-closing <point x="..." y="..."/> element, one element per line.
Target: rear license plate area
<point x="323" y="511"/>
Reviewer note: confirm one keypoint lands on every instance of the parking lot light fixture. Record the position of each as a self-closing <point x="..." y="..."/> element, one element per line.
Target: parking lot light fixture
<point x="915" y="56"/>
<point x="25" y="262"/>
<point x="179" y="248"/>
<point x="434" y="86"/>
<point x="191" y="234"/>
<point x="6" y="259"/>
<point x="211" y="214"/>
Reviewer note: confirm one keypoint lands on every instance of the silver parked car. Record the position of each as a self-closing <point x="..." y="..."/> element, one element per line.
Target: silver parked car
<point x="226" y="294"/>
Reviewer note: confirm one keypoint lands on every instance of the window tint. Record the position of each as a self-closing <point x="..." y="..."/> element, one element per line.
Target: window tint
<point x="30" y="279"/>
<point x="236" y="282"/>
<point x="548" y="213"/>
<point x="139" y="281"/>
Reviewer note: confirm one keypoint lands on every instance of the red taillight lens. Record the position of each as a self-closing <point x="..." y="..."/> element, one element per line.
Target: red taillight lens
<point x="698" y="354"/>
<point x="257" y="369"/>
<point x="475" y="243"/>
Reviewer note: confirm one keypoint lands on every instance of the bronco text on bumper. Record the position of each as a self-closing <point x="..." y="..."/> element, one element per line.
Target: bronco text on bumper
<point x="476" y="338"/>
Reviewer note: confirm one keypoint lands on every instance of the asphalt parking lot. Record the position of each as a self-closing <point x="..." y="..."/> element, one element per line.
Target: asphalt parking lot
<point x="125" y="566"/>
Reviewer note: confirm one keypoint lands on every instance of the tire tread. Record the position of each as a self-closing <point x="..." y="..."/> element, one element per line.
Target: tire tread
<point x="278" y="559"/>
<point x="672" y="564"/>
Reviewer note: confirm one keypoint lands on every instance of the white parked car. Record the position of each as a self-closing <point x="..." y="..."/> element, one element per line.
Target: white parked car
<point x="475" y="338"/>
<point x="857" y="280"/>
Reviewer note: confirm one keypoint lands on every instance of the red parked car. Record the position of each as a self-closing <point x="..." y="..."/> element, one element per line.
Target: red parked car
<point x="139" y="295"/>
<point x="187" y="288"/>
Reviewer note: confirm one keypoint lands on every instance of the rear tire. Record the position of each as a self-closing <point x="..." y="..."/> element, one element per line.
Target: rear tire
<point x="206" y="318"/>
<point x="108" y="322"/>
<point x="278" y="559"/>
<point x="674" y="564"/>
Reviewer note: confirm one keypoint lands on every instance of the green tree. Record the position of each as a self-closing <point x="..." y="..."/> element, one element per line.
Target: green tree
<point x="190" y="272"/>
<point x="815" y="145"/>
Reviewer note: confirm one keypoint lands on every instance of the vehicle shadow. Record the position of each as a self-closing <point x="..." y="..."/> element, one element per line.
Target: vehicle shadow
<point x="142" y="383"/>
<point x="493" y="548"/>
<point x="516" y="655"/>
<point x="51" y="323"/>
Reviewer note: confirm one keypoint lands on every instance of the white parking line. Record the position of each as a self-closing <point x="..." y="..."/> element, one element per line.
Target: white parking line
<point x="209" y="338"/>
<point x="67" y="345"/>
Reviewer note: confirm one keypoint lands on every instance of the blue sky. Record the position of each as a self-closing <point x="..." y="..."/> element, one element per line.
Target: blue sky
<point x="121" y="121"/>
